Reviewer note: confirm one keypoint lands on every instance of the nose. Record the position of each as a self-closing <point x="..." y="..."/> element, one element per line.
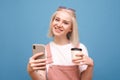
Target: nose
<point x="59" y="24"/>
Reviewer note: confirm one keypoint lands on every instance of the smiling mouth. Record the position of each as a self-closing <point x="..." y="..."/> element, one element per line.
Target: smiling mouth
<point x="58" y="28"/>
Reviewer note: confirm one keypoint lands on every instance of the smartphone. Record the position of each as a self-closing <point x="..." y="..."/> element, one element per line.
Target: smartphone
<point x="37" y="48"/>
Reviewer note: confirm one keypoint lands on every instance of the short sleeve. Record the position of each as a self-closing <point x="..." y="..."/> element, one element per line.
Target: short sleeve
<point x="84" y="51"/>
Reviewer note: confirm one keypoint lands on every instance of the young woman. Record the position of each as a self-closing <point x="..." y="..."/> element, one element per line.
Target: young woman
<point x="59" y="65"/>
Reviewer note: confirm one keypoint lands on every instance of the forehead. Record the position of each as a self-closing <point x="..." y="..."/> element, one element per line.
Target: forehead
<point x="64" y="15"/>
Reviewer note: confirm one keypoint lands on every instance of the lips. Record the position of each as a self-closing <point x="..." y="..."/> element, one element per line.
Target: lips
<point x="58" y="29"/>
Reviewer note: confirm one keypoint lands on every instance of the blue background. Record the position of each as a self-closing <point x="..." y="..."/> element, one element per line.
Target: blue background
<point x="24" y="22"/>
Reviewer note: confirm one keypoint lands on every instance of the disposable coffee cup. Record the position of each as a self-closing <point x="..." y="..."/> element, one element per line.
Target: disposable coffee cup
<point x="75" y="51"/>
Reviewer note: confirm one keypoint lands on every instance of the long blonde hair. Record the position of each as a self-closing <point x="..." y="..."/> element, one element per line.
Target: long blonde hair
<point x="73" y="36"/>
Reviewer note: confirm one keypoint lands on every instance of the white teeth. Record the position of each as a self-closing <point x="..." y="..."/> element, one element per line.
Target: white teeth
<point x="58" y="28"/>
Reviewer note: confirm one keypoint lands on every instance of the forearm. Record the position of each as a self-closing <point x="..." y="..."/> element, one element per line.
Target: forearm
<point x="87" y="74"/>
<point x="36" y="75"/>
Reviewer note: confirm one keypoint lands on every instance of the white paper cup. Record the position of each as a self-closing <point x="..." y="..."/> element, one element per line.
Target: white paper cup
<point x="75" y="51"/>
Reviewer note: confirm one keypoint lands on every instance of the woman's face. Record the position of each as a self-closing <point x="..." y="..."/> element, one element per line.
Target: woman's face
<point x="62" y="24"/>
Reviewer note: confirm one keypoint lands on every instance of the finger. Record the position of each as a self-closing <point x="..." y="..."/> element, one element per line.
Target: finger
<point x="38" y="61"/>
<point x="37" y="55"/>
<point x="79" y="55"/>
<point x="78" y="61"/>
<point x="39" y="68"/>
<point x="77" y="58"/>
<point x="38" y="65"/>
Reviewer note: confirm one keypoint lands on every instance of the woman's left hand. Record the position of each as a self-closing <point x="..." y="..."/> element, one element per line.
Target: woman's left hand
<point x="83" y="60"/>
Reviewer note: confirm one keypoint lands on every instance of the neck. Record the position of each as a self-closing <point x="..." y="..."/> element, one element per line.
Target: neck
<point x="61" y="41"/>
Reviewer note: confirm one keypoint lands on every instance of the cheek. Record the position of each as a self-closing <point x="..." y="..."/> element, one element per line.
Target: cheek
<point x="53" y="26"/>
<point x="53" y="23"/>
<point x="69" y="28"/>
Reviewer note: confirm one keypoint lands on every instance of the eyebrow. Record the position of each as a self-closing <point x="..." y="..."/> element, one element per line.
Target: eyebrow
<point x="63" y="19"/>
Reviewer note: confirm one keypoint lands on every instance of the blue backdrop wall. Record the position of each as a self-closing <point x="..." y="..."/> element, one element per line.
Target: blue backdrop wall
<point x="24" y="22"/>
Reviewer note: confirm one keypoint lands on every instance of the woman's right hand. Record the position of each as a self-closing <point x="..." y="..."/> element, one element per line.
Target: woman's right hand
<point x="36" y="64"/>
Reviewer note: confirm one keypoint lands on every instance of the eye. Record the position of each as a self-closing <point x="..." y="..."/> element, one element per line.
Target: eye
<point x="56" y="19"/>
<point x="66" y="23"/>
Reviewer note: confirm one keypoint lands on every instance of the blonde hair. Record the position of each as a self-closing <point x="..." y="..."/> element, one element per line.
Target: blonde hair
<point x="73" y="36"/>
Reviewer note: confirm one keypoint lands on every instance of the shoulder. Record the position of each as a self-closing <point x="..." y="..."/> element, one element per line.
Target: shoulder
<point x="81" y="45"/>
<point x="49" y="44"/>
